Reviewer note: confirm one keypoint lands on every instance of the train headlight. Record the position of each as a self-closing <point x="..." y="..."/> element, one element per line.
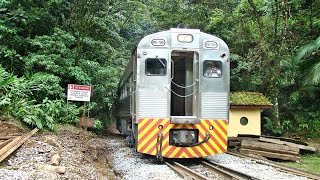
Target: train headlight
<point x="185" y="38"/>
<point x="160" y="127"/>
<point x="211" y="127"/>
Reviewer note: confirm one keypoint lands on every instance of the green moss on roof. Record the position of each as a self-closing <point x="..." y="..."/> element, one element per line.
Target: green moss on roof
<point x="249" y="99"/>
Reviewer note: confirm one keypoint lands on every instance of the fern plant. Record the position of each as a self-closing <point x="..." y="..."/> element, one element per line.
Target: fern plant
<point x="308" y="50"/>
<point x="6" y="81"/>
<point x="27" y="99"/>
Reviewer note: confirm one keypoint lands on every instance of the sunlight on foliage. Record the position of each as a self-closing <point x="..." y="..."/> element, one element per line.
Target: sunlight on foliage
<point x="46" y="45"/>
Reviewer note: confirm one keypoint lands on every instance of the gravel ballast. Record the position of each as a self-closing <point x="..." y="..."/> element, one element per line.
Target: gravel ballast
<point x="252" y="168"/>
<point x="88" y="156"/>
<point x="134" y="166"/>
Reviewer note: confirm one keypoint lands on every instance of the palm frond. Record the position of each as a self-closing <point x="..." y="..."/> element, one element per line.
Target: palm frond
<point x="308" y="49"/>
<point x="316" y="74"/>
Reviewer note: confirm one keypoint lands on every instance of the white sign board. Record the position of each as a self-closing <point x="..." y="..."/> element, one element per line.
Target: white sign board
<point x="79" y="92"/>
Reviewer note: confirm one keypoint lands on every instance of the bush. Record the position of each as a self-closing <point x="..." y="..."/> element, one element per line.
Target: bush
<point x="27" y="100"/>
<point x="271" y="127"/>
<point x="46" y="114"/>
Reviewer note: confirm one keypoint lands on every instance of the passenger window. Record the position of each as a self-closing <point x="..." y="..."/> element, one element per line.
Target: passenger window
<point x="156" y="67"/>
<point x="212" y="69"/>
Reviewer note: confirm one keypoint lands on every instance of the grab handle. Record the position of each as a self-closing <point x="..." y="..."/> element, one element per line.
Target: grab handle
<point x="172" y="69"/>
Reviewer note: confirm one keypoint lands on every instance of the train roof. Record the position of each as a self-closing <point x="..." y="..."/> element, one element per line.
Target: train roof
<point x="145" y="42"/>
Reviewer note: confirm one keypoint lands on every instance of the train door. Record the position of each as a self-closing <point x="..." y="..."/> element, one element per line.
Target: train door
<point x="184" y="78"/>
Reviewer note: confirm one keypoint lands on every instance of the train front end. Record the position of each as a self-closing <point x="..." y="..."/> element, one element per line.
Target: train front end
<point x="182" y="94"/>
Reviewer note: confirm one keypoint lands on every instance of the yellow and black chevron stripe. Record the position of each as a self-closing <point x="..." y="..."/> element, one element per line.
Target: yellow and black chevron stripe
<point x="148" y="132"/>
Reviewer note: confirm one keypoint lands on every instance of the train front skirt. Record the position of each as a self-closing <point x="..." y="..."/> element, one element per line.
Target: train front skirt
<point x="160" y="137"/>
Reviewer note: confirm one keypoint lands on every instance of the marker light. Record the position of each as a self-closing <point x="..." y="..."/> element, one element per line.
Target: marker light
<point x="185" y="38"/>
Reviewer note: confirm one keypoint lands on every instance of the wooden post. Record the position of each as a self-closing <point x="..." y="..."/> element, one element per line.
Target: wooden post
<point x="84" y="114"/>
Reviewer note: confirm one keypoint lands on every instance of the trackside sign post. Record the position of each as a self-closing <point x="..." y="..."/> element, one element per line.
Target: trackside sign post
<point x="79" y="92"/>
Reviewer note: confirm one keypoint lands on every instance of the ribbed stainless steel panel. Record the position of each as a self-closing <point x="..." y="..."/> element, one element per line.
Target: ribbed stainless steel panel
<point x="214" y="105"/>
<point x="153" y="104"/>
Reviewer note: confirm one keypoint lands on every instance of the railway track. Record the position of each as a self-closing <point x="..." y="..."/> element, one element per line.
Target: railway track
<point x="185" y="172"/>
<point x="215" y="168"/>
<point x="281" y="168"/>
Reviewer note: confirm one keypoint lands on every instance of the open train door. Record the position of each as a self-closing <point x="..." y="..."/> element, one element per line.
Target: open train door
<point x="184" y="87"/>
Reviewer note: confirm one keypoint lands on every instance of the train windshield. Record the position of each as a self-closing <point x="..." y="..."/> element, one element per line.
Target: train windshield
<point x="212" y="69"/>
<point x="156" y="67"/>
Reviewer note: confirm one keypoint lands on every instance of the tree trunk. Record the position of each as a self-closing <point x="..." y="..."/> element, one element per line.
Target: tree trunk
<point x="78" y="50"/>
<point x="256" y="16"/>
<point x="311" y="15"/>
<point x="284" y="19"/>
<point x="276" y="113"/>
<point x="276" y="21"/>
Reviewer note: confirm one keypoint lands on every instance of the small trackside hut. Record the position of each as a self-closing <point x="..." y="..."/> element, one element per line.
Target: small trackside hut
<point x="174" y="95"/>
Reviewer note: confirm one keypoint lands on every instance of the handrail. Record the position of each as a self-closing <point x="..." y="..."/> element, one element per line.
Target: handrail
<point x="172" y="69"/>
<point x="183" y="86"/>
<point x="181" y="95"/>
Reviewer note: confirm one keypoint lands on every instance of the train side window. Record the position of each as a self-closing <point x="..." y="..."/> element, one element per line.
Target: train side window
<point x="156" y="67"/>
<point x="212" y="69"/>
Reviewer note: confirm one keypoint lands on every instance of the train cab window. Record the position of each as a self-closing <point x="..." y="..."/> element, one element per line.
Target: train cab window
<point x="156" y="67"/>
<point x="212" y="69"/>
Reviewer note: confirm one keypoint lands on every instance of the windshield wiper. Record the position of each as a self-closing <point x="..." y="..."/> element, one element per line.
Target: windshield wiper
<point x="161" y="62"/>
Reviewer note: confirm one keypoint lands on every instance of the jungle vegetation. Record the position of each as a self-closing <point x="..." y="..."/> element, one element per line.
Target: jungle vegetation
<point x="46" y="44"/>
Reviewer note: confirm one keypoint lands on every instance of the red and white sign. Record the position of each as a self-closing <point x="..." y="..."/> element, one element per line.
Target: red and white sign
<point x="79" y="92"/>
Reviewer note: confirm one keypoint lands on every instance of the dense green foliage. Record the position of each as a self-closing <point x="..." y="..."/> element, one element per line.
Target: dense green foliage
<point x="44" y="45"/>
<point x="27" y="99"/>
<point x="47" y="44"/>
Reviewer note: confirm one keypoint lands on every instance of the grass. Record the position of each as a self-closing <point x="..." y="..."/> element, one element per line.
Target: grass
<point x="2" y="165"/>
<point x="310" y="163"/>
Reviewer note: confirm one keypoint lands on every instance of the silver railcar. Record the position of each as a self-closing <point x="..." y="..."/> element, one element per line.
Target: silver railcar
<point x="174" y="95"/>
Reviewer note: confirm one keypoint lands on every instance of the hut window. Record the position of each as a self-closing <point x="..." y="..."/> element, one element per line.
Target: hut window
<point x="244" y="121"/>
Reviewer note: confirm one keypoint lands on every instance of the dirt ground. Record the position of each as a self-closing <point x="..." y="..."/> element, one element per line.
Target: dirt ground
<point x="82" y="154"/>
<point x="10" y="128"/>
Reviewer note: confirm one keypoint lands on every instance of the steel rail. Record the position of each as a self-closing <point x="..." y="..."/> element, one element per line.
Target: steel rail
<point x="226" y="171"/>
<point x="186" y="172"/>
<point x="221" y="170"/>
<point x="282" y="168"/>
